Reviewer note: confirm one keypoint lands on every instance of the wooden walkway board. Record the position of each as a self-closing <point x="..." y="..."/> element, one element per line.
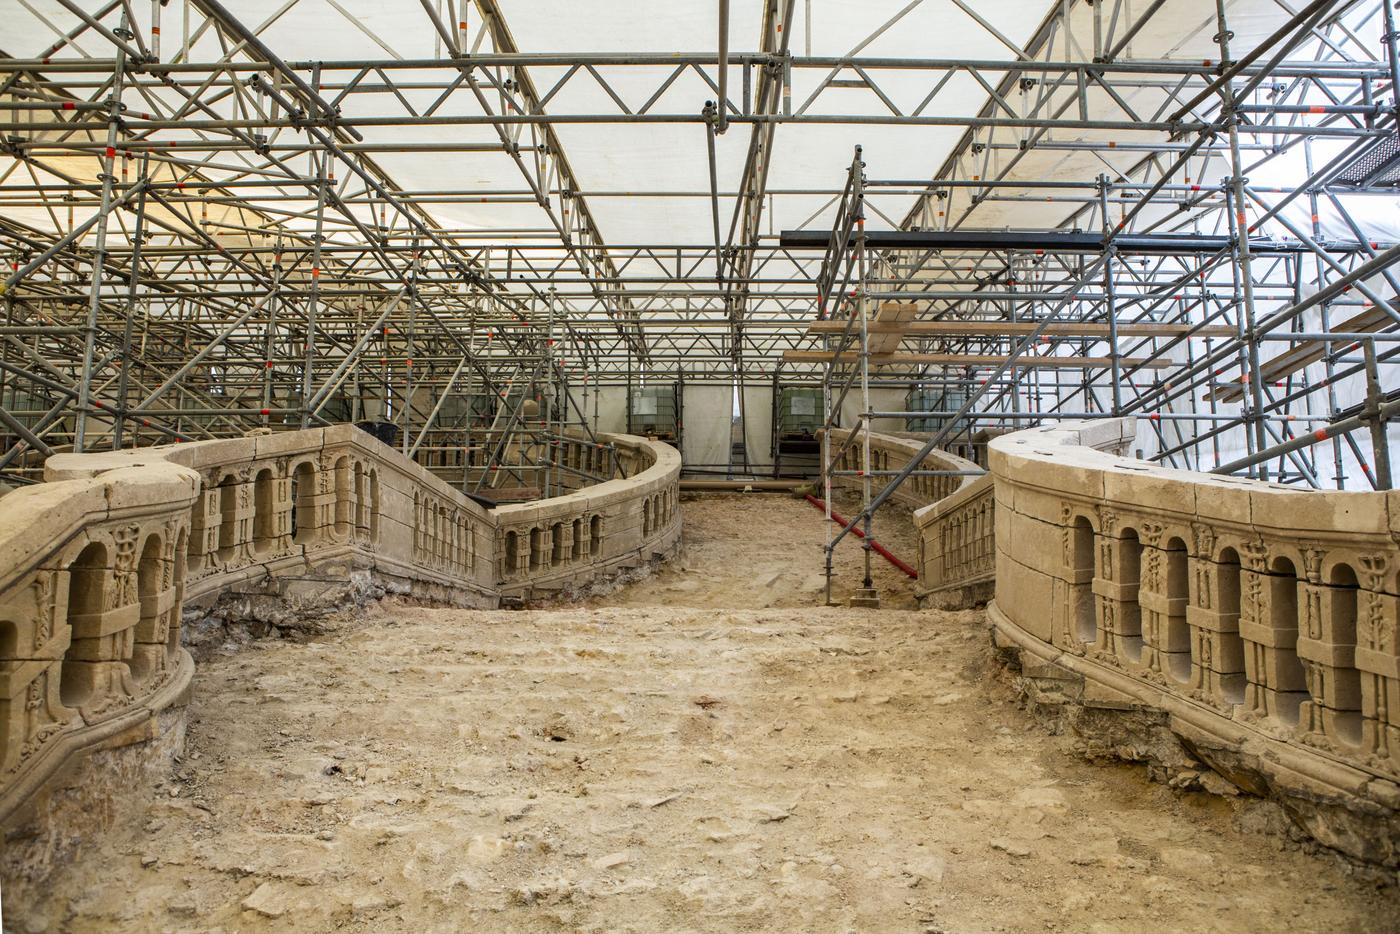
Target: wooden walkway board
<point x="1309" y="352"/>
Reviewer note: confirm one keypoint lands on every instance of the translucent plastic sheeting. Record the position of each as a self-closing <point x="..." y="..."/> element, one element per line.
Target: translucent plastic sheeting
<point x="611" y="404"/>
<point x="758" y="426"/>
<point x="1182" y="29"/>
<point x="708" y="426"/>
<point x="672" y="157"/>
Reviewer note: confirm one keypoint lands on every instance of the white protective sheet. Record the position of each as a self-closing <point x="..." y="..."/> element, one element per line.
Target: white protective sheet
<point x="882" y="399"/>
<point x="708" y="425"/>
<point x="612" y="409"/>
<point x="758" y="426"/>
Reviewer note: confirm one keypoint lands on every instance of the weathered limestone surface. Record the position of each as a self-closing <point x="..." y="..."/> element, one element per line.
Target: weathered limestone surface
<point x="101" y="566"/>
<point x="1209" y="623"/>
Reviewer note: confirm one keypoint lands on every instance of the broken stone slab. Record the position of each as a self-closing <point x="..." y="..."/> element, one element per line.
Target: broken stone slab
<point x="269" y="899"/>
<point x="1010" y="848"/>
<point x="612" y="860"/>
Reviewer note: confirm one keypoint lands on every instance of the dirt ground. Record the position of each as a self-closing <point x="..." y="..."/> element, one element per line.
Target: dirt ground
<point x="708" y="749"/>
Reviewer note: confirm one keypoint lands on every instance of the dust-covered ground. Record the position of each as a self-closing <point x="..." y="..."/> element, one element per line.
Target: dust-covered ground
<point x="708" y="749"/>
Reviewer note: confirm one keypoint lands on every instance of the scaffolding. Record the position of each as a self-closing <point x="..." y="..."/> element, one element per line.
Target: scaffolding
<point x="1194" y="317"/>
<point x="206" y="235"/>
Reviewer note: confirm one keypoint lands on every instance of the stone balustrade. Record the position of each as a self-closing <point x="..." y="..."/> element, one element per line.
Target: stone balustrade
<point x="890" y="452"/>
<point x="92" y="574"/>
<point x="954" y="515"/>
<point x="1258" y="622"/>
<point x="957" y="547"/>
<point x="98" y="565"/>
<point x="562" y="542"/>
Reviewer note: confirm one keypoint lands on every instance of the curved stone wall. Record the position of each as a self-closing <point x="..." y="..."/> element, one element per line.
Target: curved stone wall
<point x="97" y="565"/>
<point x="1257" y="622"/>
<point x="563" y="542"/>
<point x="90" y="595"/>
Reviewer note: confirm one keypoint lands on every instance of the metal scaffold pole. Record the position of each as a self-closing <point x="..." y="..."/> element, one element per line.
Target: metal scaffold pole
<point x="108" y="179"/>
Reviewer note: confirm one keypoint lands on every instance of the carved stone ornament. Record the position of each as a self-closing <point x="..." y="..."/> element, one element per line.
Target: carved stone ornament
<point x="1312" y="562"/>
<point x="1373" y="571"/>
<point x="45" y="587"/>
<point x="1256" y="554"/>
<point x="1204" y="536"/>
<point x="1204" y="571"/>
<point x="1313" y="612"/>
<point x="1108" y="520"/>
<point x="1151" y="533"/>
<point x="124" y="593"/>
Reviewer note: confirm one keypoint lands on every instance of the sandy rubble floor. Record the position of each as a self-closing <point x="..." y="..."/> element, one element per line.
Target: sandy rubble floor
<point x="704" y="750"/>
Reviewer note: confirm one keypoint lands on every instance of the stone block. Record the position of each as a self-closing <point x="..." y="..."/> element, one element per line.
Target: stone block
<point x="1344" y="729"/>
<point x="1103" y="434"/>
<point x="1267" y="635"/>
<point x="17" y="675"/>
<point x="1286" y="510"/>
<point x="205" y="455"/>
<point x="54" y="507"/>
<point x="96" y="625"/>
<point x="1162" y="604"/>
<point x="1130" y="649"/>
<point x="1099" y="695"/>
<point x="1283" y="707"/>
<point x="1335" y="686"/>
<point x="157" y="603"/>
<point x="1331" y="654"/>
<point x="1274" y="668"/>
<point x="1025" y="595"/>
<point x="147" y="489"/>
<point x="1038" y="504"/>
<point x="285" y="443"/>
<point x="1217" y="666"/>
<point x="344" y="433"/>
<point x="1064" y="470"/>
<point x="1223" y="499"/>
<point x="1029" y="541"/>
<point x="1212" y="620"/>
<point x="1120" y="591"/>
<point x="1135" y="483"/>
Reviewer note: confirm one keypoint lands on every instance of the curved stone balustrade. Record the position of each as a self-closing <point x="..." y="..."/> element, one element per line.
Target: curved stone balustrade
<point x="97" y="565"/>
<point x="957" y="547"/>
<point x="955" y="515"/>
<point x="891" y="452"/>
<point x="564" y="541"/>
<point x="91" y="578"/>
<point x="1257" y="621"/>
<point x="952" y="513"/>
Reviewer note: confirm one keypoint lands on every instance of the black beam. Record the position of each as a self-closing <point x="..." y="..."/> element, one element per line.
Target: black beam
<point x="1051" y="241"/>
